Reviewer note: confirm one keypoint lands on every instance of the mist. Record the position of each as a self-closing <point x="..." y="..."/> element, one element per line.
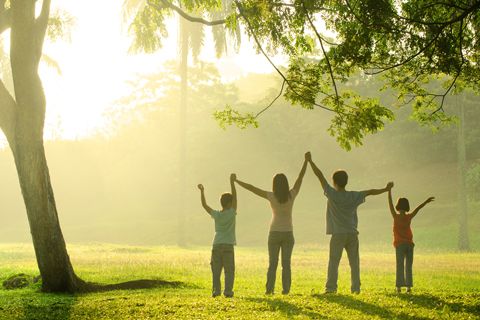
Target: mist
<point x="124" y="187"/>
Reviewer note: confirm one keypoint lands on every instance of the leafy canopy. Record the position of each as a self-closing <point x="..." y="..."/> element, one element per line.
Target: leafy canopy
<point x="422" y="49"/>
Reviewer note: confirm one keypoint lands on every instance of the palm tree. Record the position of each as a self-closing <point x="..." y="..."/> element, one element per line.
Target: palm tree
<point x="191" y="41"/>
<point x="463" y="239"/>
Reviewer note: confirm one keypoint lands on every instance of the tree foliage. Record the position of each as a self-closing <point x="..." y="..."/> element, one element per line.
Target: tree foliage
<point x="424" y="49"/>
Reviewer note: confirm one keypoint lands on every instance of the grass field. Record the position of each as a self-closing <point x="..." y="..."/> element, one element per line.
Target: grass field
<point x="447" y="286"/>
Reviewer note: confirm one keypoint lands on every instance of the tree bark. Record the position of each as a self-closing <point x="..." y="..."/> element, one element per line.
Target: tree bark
<point x="50" y="249"/>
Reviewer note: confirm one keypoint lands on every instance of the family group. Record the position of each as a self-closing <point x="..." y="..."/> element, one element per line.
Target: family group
<point x="341" y="224"/>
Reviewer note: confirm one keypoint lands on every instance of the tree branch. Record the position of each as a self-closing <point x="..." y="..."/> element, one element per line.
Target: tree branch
<point x="273" y="101"/>
<point x="185" y="15"/>
<point x="5" y="20"/>
<point x="475" y="6"/>
<point x="410" y="58"/>
<point x="240" y="9"/>
<point x="42" y="20"/>
<point x="7" y="112"/>
<point x="324" y="53"/>
<point x="41" y="28"/>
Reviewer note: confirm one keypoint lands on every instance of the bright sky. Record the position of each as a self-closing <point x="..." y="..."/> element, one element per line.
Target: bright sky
<point x="95" y="66"/>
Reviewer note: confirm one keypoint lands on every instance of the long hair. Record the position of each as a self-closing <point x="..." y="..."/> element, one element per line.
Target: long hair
<point x="280" y="188"/>
<point x="402" y="204"/>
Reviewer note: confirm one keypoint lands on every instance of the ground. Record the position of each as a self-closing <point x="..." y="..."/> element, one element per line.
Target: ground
<point x="446" y="286"/>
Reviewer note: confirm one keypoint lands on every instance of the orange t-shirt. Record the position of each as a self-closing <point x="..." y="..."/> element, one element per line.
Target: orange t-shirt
<point x="402" y="233"/>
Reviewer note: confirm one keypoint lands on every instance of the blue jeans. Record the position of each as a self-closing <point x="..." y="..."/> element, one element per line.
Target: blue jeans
<point x="404" y="254"/>
<point x="223" y="257"/>
<point x="338" y="242"/>
<point x="280" y="240"/>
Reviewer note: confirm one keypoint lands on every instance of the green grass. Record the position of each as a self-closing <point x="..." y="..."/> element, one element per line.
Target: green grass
<point x="446" y="286"/>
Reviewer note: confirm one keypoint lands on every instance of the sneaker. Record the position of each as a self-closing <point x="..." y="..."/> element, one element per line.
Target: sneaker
<point x="355" y="291"/>
<point x="327" y="291"/>
<point x="399" y="290"/>
<point x="269" y="293"/>
<point x="409" y="290"/>
<point x="214" y="295"/>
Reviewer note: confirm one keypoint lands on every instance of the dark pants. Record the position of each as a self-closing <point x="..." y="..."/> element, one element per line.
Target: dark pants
<point x="338" y="242"/>
<point x="223" y="257"/>
<point x="280" y="240"/>
<point x="404" y="253"/>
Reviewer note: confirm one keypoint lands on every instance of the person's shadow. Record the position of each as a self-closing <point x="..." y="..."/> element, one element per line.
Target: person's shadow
<point x="287" y="308"/>
<point x="428" y="301"/>
<point x="373" y="310"/>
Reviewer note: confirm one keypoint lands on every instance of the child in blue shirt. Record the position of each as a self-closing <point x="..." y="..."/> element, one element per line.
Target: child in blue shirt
<point x="223" y="255"/>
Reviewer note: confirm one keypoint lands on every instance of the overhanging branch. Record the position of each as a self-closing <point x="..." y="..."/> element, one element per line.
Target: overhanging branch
<point x="320" y="39"/>
<point x="268" y="58"/>
<point x="273" y="101"/>
<point x="185" y="15"/>
<point x="474" y="7"/>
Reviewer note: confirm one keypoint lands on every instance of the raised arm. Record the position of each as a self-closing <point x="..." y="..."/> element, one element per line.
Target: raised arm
<point x="317" y="171"/>
<point x="390" y="201"/>
<point x="421" y="205"/>
<point x="298" y="183"/>
<point x="233" y="177"/>
<point x="376" y="192"/>
<point x="255" y="190"/>
<point x="202" y="198"/>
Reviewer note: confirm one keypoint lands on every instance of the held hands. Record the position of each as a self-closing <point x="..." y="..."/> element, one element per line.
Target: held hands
<point x="308" y="156"/>
<point x="389" y="186"/>
<point x="233" y="177"/>
<point x="200" y="186"/>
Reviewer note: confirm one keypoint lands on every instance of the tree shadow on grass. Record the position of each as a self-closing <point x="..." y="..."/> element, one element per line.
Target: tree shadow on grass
<point x="349" y="302"/>
<point x="131" y="285"/>
<point x="287" y="308"/>
<point x="429" y="301"/>
<point x="46" y="306"/>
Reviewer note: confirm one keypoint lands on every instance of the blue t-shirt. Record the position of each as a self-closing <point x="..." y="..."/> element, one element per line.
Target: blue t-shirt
<point x="342" y="210"/>
<point x="224" y="226"/>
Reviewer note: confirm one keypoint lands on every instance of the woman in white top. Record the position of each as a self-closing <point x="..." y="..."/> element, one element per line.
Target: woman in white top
<point x="281" y="226"/>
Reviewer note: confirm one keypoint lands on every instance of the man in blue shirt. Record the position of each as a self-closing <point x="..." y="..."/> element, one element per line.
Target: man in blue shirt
<point x="342" y="223"/>
<point x="223" y="255"/>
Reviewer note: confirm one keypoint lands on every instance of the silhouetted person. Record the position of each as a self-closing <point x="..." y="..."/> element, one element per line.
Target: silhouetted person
<point x="342" y="223"/>
<point x="280" y="236"/>
<point x="403" y="239"/>
<point x="223" y="255"/>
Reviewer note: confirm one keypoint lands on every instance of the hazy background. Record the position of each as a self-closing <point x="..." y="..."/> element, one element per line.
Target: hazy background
<point x="116" y="176"/>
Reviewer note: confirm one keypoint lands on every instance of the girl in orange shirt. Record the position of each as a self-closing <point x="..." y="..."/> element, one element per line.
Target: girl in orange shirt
<point x="403" y="239"/>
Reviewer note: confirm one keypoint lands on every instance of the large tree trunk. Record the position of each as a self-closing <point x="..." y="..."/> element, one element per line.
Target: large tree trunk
<point x="52" y="257"/>
<point x="22" y="120"/>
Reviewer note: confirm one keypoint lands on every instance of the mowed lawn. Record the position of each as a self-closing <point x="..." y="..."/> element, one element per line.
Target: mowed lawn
<point x="447" y="286"/>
